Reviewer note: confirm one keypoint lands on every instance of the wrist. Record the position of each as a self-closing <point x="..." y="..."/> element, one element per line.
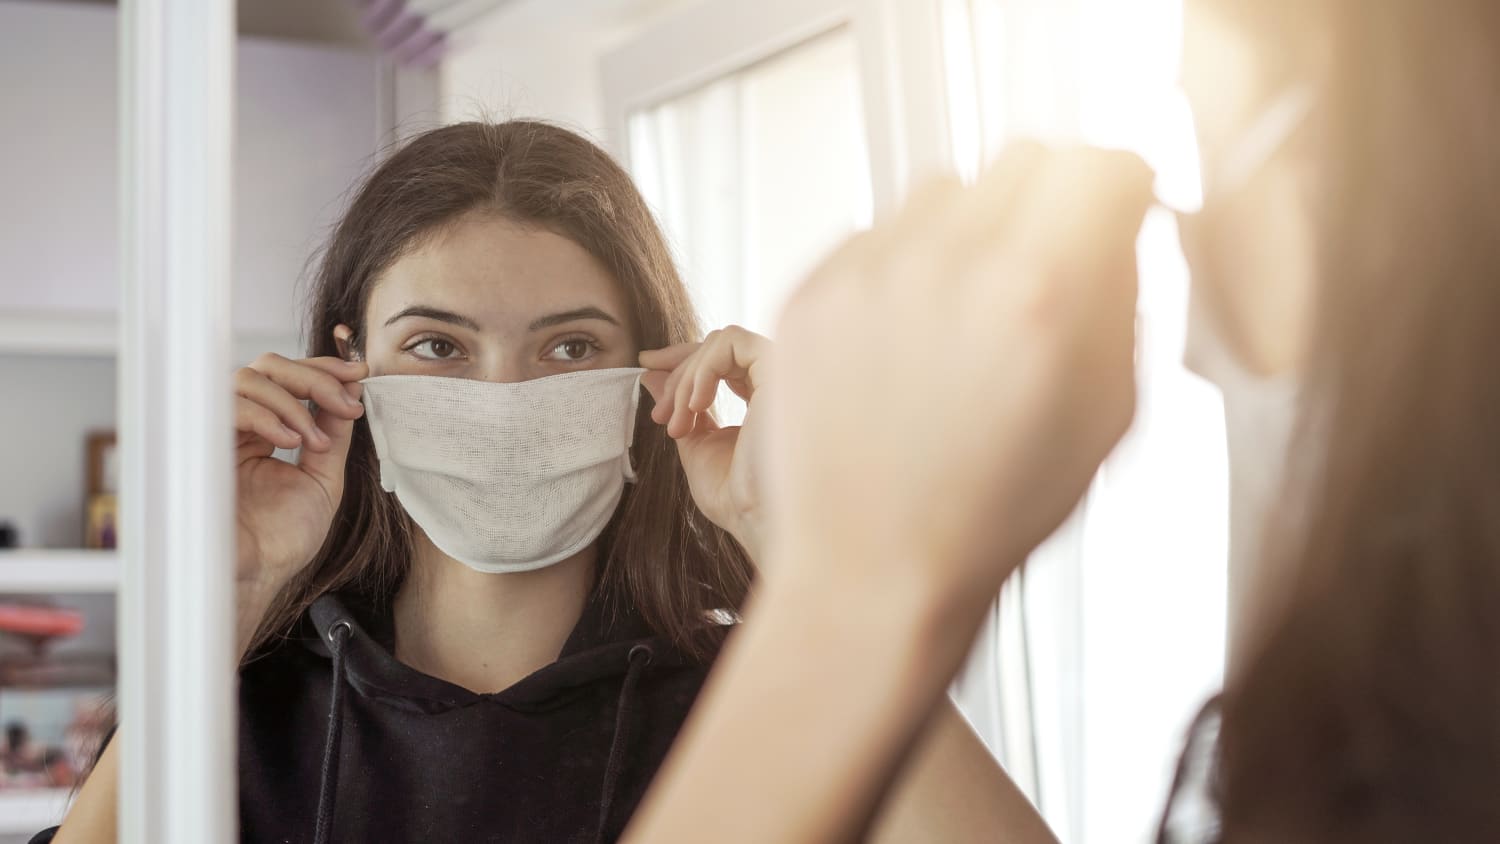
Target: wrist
<point x="886" y="595"/>
<point x="747" y="532"/>
<point x="253" y="597"/>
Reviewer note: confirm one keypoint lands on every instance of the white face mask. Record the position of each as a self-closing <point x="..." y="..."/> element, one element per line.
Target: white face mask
<point x="506" y="477"/>
<point x="1260" y="412"/>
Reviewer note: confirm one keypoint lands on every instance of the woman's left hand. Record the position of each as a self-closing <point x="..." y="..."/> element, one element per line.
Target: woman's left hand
<point x="684" y="379"/>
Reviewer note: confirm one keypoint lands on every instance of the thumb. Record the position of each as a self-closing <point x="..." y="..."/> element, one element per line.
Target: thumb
<point x="655" y="382"/>
<point x="328" y="466"/>
<point x="703" y="425"/>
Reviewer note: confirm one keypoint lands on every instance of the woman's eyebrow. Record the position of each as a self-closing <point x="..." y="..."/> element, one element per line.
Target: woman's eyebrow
<point x="438" y="314"/>
<point x="571" y="316"/>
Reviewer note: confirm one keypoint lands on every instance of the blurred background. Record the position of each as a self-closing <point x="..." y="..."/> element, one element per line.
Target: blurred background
<point x="762" y="132"/>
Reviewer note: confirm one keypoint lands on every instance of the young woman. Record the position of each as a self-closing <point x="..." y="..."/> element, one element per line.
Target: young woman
<point x="480" y="603"/>
<point x="1347" y="269"/>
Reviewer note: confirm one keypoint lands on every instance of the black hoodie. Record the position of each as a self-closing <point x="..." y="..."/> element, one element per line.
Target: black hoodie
<point x="339" y="742"/>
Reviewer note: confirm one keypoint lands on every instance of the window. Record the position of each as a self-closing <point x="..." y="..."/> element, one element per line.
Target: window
<point x="757" y="175"/>
<point x="756" y="168"/>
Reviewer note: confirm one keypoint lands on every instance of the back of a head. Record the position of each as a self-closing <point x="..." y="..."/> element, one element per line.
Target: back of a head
<point x="1370" y="711"/>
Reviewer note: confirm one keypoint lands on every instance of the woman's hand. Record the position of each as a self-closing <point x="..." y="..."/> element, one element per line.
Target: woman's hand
<point x="720" y="468"/>
<point x="283" y="510"/>
<point x="946" y="385"/>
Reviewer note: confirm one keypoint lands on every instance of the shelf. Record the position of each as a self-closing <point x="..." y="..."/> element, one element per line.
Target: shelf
<point x="47" y="571"/>
<point x="96" y="335"/>
<point x="83" y="334"/>
<point x="29" y="811"/>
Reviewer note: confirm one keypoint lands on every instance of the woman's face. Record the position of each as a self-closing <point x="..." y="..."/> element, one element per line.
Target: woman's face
<point x="493" y="300"/>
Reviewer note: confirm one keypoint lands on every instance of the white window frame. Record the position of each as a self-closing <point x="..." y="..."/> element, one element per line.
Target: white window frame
<point x="177" y="736"/>
<point x="901" y="73"/>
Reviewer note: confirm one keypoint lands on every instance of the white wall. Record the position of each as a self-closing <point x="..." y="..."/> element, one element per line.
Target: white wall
<point x="540" y="58"/>
<point x="58" y="188"/>
<point x="306" y="126"/>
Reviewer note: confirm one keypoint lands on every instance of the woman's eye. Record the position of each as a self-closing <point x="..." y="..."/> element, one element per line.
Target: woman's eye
<point x="434" y="348"/>
<point x="573" y="350"/>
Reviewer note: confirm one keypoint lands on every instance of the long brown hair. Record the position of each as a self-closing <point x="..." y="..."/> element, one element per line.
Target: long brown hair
<point x="659" y="555"/>
<point x="1370" y="710"/>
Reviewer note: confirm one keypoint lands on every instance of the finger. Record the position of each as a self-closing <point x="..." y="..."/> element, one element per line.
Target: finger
<point x="1087" y="203"/>
<point x="254" y="418"/>
<point x="927" y="200"/>
<point x="344" y="370"/>
<point x="671" y="415"/>
<point x="319" y="379"/>
<point x="668" y="358"/>
<point x="996" y="198"/>
<point x="327" y="464"/>
<point x="654" y="383"/>
<point x="732" y="360"/>
<point x="681" y="387"/>
<point x="259" y="388"/>
<point x="662" y="383"/>
<point x="705" y="388"/>
<point x="703" y="425"/>
<point x="1082" y="228"/>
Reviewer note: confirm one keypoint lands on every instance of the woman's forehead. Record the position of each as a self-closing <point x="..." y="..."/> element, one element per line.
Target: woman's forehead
<point x="497" y="273"/>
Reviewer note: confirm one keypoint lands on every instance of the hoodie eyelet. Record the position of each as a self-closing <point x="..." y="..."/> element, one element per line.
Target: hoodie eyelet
<point x="339" y="627"/>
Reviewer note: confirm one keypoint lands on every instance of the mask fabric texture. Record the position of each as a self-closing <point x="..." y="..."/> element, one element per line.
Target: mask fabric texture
<point x="506" y="477"/>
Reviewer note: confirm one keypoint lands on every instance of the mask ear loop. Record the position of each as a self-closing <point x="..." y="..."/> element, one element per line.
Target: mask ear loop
<point x="1261" y="141"/>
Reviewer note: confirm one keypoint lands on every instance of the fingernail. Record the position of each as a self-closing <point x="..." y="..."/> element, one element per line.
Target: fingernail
<point x="320" y="435"/>
<point x="290" y="433"/>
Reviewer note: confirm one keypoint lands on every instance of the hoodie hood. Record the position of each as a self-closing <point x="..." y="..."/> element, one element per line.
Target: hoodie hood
<point x="597" y="650"/>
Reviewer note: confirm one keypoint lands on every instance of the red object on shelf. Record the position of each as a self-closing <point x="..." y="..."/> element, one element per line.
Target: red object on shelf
<point x="30" y="620"/>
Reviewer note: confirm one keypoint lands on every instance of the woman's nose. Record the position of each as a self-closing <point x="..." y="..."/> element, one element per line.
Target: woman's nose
<point x="505" y="369"/>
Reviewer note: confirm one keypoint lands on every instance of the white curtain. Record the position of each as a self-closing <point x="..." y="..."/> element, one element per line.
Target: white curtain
<point x="756" y="175"/>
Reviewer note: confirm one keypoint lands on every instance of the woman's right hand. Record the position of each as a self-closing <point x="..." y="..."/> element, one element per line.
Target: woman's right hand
<point x="283" y="510"/>
<point x="946" y="385"/>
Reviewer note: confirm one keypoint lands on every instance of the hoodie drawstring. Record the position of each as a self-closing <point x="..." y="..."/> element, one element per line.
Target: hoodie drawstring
<point x="328" y="784"/>
<point x="639" y="658"/>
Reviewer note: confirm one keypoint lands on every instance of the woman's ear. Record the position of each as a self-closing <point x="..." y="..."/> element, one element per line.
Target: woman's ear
<point x="343" y="337"/>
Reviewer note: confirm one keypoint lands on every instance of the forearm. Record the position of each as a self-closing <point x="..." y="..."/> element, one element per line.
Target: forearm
<point x="815" y="704"/>
<point x="93" y="816"/>
<point x="251" y="603"/>
<point x="255" y="591"/>
<point x="952" y="790"/>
